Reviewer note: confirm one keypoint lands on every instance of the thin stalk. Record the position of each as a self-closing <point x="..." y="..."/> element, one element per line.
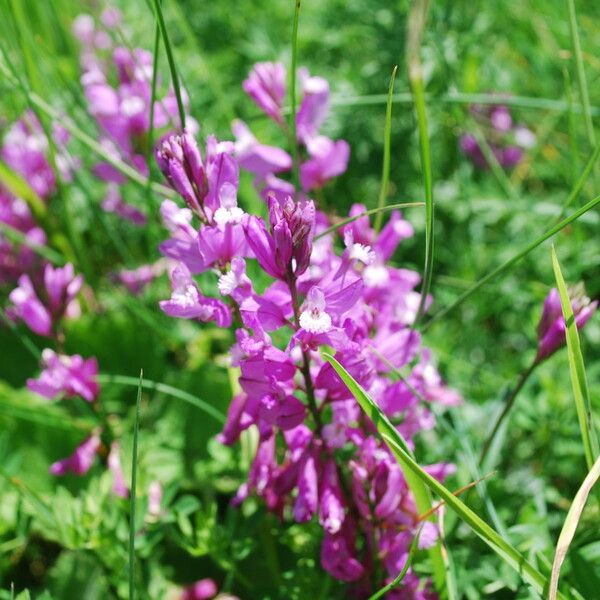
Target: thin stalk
<point x="573" y="146"/>
<point x="508" y="404"/>
<point x="293" y="76"/>
<point x="169" y="390"/>
<point x="524" y="102"/>
<point x="31" y="347"/>
<point x="387" y="139"/>
<point x="581" y="79"/>
<point x="416" y="27"/>
<point x="132" y="494"/>
<point x="16" y="236"/>
<point x="503" y="268"/>
<point x="373" y="211"/>
<point x="308" y="383"/>
<point x="174" y="77"/>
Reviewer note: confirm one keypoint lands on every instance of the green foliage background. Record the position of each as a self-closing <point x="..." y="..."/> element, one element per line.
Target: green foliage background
<point x="69" y="537"/>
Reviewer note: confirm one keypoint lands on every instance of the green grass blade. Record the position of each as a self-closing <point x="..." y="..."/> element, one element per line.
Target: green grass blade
<point x="27" y="343"/>
<point x="570" y="526"/>
<point x="387" y="142"/>
<point x="416" y="26"/>
<point x="132" y="495"/>
<point x="373" y="211"/>
<point x="523" y="102"/>
<point x="158" y="13"/>
<point x="21" y="189"/>
<point x="581" y="79"/>
<point x="577" y="369"/>
<point x="293" y="76"/>
<point x="441" y="572"/>
<point x="169" y="390"/>
<point x="414" y="473"/>
<point x="409" y="559"/>
<point x="504" y="267"/>
<point x="17" y="237"/>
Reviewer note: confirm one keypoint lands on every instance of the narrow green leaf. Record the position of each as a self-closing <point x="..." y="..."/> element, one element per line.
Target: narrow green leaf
<point x="18" y="187"/>
<point x="387" y="142"/>
<point x="293" y="76"/>
<point x="158" y="13"/>
<point x="414" y="473"/>
<point x="570" y="526"/>
<point x="581" y="79"/>
<point x="441" y="571"/>
<point x="17" y="237"/>
<point x="373" y="211"/>
<point x="416" y="27"/>
<point x="165" y="389"/>
<point x="503" y="268"/>
<point x="577" y="369"/>
<point x="132" y="494"/>
<point x="525" y="102"/>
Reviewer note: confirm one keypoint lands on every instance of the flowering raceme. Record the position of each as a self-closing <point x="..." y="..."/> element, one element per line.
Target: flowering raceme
<point x="507" y="141"/>
<point x="317" y="456"/>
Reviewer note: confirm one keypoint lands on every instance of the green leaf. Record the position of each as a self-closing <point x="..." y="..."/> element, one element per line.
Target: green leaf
<point x="504" y="267"/>
<point x="167" y="43"/>
<point x="577" y="369"/>
<point x="570" y="526"/>
<point x="441" y="570"/>
<point x="132" y="494"/>
<point x="419" y="479"/>
<point x="387" y="141"/>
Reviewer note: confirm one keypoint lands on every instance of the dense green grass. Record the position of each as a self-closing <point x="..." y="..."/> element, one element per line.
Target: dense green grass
<point x="482" y="219"/>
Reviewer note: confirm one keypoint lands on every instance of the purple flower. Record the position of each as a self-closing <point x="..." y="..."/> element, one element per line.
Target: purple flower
<point x="179" y="159"/>
<point x="255" y="157"/>
<point x="266" y="86"/>
<point x="201" y="590"/>
<point x="314" y="107"/>
<point x="331" y="506"/>
<point x="81" y="461"/>
<point x="551" y="328"/>
<point x="29" y="308"/>
<point x="337" y="555"/>
<point x="328" y="160"/>
<point x="135" y="280"/>
<point x="66" y="376"/>
<point x="187" y="302"/>
<point x="119" y="487"/>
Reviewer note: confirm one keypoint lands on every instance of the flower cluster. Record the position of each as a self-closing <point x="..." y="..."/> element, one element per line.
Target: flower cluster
<point x="318" y="457"/>
<point x="25" y="152"/>
<point x="117" y="83"/>
<point x="322" y="158"/>
<point x="507" y="141"/>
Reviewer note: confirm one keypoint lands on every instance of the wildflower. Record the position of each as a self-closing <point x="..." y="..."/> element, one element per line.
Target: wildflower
<point x="113" y="203"/>
<point x="119" y="487"/>
<point x="81" y="461"/>
<point x="552" y="329"/>
<point x="266" y="86"/>
<point x="188" y="303"/>
<point x="66" y="376"/>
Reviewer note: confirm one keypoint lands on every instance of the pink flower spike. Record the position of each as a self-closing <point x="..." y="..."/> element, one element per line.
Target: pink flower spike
<point x="81" y="461"/>
<point x="266" y="86"/>
<point x="119" y="487"/>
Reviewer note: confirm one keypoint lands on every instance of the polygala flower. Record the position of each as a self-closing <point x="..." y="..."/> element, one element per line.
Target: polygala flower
<point x="66" y="377"/>
<point x="552" y="329"/>
<point x="507" y="141"/>
<point x="317" y="457"/>
<point x="81" y="461"/>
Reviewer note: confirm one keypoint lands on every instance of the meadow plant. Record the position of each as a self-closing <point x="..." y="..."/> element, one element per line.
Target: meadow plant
<point x="317" y="456"/>
<point x="507" y="141"/>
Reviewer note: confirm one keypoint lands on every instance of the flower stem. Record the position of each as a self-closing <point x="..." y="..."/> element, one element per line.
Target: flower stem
<point x="509" y="402"/>
<point x="305" y="368"/>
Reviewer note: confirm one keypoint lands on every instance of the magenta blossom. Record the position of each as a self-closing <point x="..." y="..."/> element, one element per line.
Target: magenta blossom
<point x="81" y="461"/>
<point x="552" y="329"/>
<point x="188" y="303"/>
<point x="266" y="86"/>
<point x="119" y="487"/>
<point x="66" y="377"/>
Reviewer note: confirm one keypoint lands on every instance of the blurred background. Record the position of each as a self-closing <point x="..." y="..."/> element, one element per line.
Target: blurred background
<point x="472" y="52"/>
